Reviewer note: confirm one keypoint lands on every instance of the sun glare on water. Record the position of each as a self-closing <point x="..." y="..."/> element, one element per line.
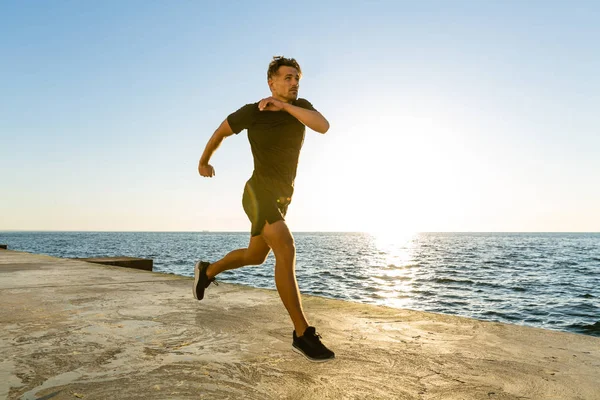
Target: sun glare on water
<point x="394" y="275"/>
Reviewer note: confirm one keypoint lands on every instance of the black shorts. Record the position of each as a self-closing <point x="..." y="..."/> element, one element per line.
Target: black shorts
<point x="261" y="205"/>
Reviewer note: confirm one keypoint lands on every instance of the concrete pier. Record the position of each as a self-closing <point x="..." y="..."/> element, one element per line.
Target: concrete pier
<point x="127" y="262"/>
<point x="74" y="330"/>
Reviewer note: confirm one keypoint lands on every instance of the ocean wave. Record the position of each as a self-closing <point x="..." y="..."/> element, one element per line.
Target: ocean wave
<point x="493" y="300"/>
<point x="566" y="263"/>
<point x="489" y="284"/>
<point x="452" y="304"/>
<point x="450" y="280"/>
<point x="496" y="262"/>
<point x="587" y="296"/>
<point x="588" y="329"/>
<point x="390" y="278"/>
<point x="424" y="292"/>
<point x="519" y="289"/>
<point x="502" y="315"/>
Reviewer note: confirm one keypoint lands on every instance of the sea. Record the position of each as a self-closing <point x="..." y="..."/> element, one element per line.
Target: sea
<point x="547" y="280"/>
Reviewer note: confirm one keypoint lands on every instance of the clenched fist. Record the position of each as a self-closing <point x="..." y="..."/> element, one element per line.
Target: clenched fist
<point x="206" y="170"/>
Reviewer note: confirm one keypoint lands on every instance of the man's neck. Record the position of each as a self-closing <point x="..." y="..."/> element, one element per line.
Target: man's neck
<point x="283" y="99"/>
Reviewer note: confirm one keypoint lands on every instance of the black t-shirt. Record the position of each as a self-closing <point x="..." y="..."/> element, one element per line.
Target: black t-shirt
<point x="276" y="138"/>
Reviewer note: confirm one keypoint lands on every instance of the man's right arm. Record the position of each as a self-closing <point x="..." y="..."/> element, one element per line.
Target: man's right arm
<point x="223" y="131"/>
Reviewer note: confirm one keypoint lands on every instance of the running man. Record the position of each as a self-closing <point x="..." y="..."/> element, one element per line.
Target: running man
<point x="276" y="128"/>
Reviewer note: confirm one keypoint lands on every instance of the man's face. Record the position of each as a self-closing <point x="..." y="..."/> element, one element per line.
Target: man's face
<point x="285" y="83"/>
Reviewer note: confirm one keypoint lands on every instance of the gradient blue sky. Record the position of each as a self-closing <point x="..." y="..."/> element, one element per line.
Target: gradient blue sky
<point x="445" y="115"/>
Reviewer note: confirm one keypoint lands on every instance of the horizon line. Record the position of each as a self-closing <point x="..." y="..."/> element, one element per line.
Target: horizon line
<point x="321" y="231"/>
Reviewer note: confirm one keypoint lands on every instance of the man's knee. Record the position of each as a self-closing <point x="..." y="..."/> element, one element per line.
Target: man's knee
<point x="279" y="239"/>
<point x="284" y="247"/>
<point x="288" y="244"/>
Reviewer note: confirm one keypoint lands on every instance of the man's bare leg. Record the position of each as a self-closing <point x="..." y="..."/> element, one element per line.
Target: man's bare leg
<point x="255" y="254"/>
<point x="279" y="238"/>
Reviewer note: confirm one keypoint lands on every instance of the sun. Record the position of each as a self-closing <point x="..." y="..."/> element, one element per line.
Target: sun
<point x="391" y="235"/>
<point x="384" y="174"/>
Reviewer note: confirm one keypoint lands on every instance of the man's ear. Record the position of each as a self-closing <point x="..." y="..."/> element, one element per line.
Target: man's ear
<point x="270" y="83"/>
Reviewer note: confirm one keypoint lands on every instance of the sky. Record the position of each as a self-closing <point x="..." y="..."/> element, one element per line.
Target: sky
<point x="446" y="116"/>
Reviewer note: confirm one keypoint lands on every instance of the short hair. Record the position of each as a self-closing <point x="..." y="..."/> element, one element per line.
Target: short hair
<point x="280" y="61"/>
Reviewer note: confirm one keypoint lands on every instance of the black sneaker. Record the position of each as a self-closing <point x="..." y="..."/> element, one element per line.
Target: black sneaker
<point x="201" y="281"/>
<point x="310" y="346"/>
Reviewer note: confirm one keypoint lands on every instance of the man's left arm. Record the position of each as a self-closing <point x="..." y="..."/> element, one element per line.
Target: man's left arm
<point x="313" y="119"/>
